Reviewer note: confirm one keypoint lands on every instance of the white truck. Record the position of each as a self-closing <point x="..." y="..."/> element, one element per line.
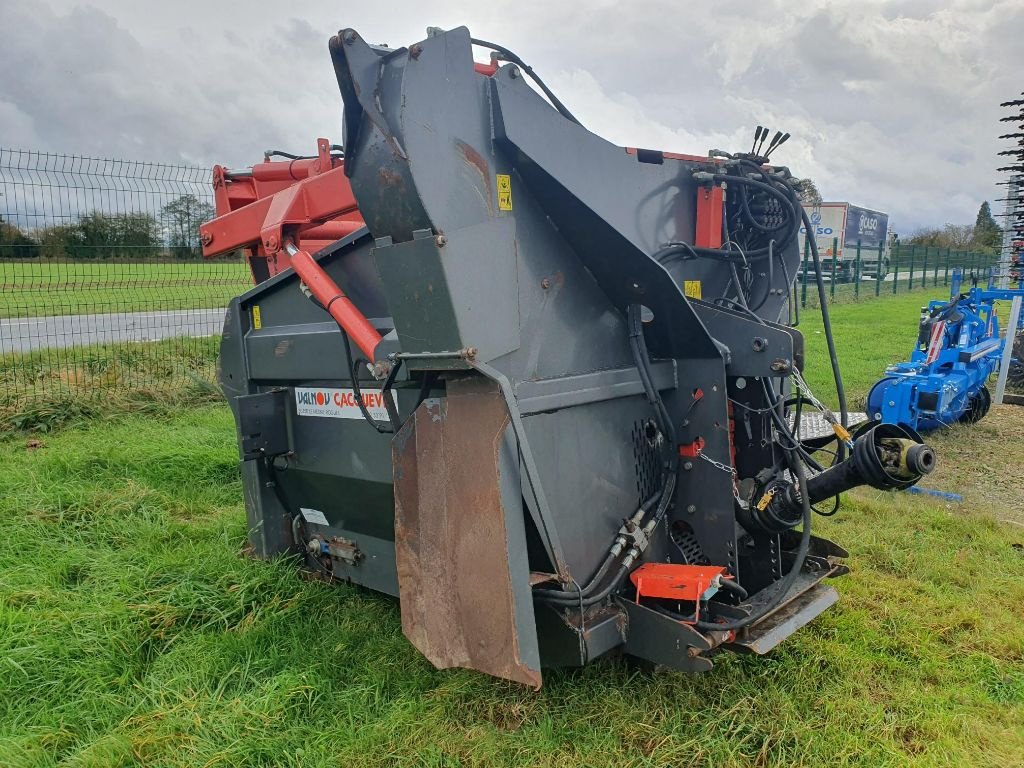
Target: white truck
<point x="837" y="229"/>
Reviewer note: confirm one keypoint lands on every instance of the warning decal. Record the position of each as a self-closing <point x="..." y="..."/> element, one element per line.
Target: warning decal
<point x="339" y="403"/>
<point x="504" y="192"/>
<point x="691" y="288"/>
<point x="257" y="321"/>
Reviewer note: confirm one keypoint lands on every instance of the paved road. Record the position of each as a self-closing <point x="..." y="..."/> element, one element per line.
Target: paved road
<point x="25" y="334"/>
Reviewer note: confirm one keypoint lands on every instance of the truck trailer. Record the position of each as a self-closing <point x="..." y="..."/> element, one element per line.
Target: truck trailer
<point x="838" y="227"/>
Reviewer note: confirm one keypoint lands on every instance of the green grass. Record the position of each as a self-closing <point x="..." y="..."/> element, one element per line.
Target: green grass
<point x="50" y="388"/>
<point x="36" y="289"/>
<point x="869" y="335"/>
<point x="134" y="632"/>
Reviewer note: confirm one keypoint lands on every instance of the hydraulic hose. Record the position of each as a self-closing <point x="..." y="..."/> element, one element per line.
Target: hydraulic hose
<point x="844" y="416"/>
<point x="513" y="58"/>
<point x="783" y="586"/>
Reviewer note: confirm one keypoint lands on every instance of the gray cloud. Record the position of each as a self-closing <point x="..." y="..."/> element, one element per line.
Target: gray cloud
<point x="891" y="104"/>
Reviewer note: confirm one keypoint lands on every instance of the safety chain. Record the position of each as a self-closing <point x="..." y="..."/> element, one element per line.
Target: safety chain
<point x="805" y="389"/>
<point x="717" y="464"/>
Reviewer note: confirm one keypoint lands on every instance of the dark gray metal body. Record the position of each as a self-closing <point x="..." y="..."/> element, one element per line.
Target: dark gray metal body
<point x="527" y="294"/>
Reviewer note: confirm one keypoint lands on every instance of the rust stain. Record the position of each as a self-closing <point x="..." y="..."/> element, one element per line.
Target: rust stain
<point x="389" y="178"/>
<point x="476" y="162"/>
<point x="283" y="348"/>
<point x="451" y="541"/>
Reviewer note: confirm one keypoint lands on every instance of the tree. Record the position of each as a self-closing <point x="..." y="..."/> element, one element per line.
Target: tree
<point x="958" y="237"/>
<point x="181" y="219"/>
<point x="809" y="194"/>
<point x="987" y="233"/>
<point x="61" y="241"/>
<point x="16" y="244"/>
<point x="102" y="235"/>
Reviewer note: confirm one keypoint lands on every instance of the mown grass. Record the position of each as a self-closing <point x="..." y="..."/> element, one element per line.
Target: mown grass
<point x="869" y="335"/>
<point x="39" y="289"/>
<point x="134" y="632"/>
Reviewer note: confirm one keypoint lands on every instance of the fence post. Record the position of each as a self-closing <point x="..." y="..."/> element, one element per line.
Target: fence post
<point x="803" y="291"/>
<point x="897" y="252"/>
<point x="856" y="272"/>
<point x="945" y="277"/>
<point x="878" y="272"/>
<point x="924" y="269"/>
<point x="835" y="258"/>
<point x="910" y="280"/>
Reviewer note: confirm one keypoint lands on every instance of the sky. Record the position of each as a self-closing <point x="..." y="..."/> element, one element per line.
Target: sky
<point x="891" y="105"/>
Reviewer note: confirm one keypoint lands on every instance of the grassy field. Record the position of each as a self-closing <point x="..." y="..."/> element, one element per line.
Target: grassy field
<point x="38" y="289"/>
<point x="134" y="632"/>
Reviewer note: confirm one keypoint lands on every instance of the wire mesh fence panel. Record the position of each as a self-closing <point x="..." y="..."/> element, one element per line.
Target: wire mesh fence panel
<point x="866" y="275"/>
<point x="103" y="289"/>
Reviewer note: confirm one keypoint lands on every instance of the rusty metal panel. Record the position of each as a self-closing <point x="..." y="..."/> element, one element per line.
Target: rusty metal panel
<point x="460" y="542"/>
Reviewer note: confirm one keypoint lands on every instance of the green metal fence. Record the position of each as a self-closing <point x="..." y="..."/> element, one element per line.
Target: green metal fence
<point x="904" y="268"/>
<point x="103" y="291"/>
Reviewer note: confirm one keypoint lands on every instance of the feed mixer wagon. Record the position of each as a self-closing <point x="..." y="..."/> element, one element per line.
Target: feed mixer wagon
<point x="535" y="385"/>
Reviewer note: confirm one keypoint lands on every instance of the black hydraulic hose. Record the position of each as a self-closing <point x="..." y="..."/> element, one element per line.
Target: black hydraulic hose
<point x="774" y="191"/>
<point x="581" y="599"/>
<point x="571" y="600"/>
<point x="771" y="277"/>
<point x="509" y="56"/>
<point x="641" y="359"/>
<point x="353" y="367"/>
<point x="784" y="428"/>
<point x="296" y="517"/>
<point x="844" y="417"/>
<point x="749" y="215"/>
<point x="554" y="595"/>
<point x="783" y="586"/>
<point x="732" y="586"/>
<point x="683" y="251"/>
<point x="794" y="305"/>
<point x="286" y="155"/>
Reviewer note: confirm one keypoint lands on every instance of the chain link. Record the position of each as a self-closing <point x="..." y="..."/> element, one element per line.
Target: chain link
<point x="717" y="464"/>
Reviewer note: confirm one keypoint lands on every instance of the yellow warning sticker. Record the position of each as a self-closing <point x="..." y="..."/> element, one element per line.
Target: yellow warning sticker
<point x="257" y="321"/>
<point x="504" y="192"/>
<point x="691" y="288"/>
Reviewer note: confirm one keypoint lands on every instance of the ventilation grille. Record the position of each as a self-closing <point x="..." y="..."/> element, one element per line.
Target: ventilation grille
<point x="687" y="545"/>
<point x="646" y="451"/>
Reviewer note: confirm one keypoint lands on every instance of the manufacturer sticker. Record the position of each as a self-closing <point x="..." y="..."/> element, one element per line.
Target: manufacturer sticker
<point x="257" y="321"/>
<point x="314" y="516"/>
<point x="339" y="403"/>
<point x="691" y="288"/>
<point x="504" y="192"/>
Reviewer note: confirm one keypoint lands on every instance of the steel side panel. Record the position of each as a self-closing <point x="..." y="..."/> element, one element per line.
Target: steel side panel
<point x="460" y="541"/>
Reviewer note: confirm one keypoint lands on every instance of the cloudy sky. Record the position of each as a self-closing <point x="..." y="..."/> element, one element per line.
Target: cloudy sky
<point x="892" y="105"/>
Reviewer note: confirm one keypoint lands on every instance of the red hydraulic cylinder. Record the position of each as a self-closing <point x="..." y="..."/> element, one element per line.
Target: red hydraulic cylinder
<point x="337" y="304"/>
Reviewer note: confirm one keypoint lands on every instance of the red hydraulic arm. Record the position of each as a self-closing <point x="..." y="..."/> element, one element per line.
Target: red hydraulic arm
<point x="309" y="196"/>
<point x="280" y="211"/>
<point x="337" y="304"/>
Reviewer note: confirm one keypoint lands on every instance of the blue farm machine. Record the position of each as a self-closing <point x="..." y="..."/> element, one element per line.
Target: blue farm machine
<point x="958" y="349"/>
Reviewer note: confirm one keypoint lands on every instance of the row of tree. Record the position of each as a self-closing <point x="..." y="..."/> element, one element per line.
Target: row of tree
<point x="984" y="235"/>
<point x="100" y="235"/>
